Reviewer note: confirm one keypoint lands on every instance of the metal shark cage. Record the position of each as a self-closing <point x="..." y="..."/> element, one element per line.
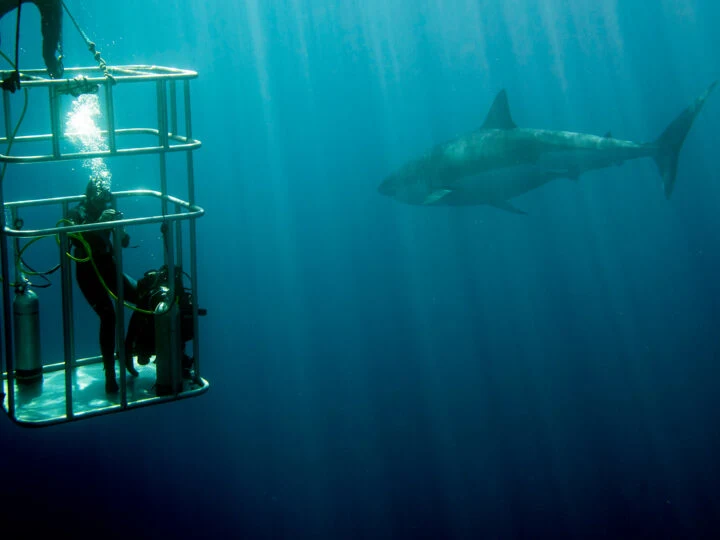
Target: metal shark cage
<point x="68" y="388"/>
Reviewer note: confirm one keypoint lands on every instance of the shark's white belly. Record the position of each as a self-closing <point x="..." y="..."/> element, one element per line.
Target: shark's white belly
<point x="505" y="183"/>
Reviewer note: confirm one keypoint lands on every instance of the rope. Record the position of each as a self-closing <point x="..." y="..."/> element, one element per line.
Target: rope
<point x="91" y="46"/>
<point x="78" y="86"/>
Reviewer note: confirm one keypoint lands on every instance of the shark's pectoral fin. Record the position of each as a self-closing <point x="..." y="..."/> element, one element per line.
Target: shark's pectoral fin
<point x="505" y="205"/>
<point x="571" y="173"/>
<point x="574" y="174"/>
<point x="436" y="195"/>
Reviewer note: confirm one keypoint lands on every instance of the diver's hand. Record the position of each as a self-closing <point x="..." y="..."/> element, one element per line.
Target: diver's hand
<point x="54" y="65"/>
<point x="12" y="82"/>
<point x="110" y="215"/>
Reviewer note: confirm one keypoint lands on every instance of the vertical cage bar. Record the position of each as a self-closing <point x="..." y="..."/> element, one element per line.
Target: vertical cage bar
<point x="7" y="364"/>
<point x="68" y="335"/>
<point x="120" y="312"/>
<point x="173" y="108"/>
<point x="193" y="234"/>
<point x="68" y="317"/>
<point x="16" y="245"/>
<point x="6" y="111"/>
<point x="162" y="114"/>
<point x="169" y="259"/>
<point x="110" y="105"/>
<point x="7" y="311"/>
<point x="188" y="134"/>
<point x="178" y="237"/>
<point x="54" y="121"/>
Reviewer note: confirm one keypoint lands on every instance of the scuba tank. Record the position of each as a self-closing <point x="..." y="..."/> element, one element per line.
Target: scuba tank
<point x="168" y="354"/>
<point x="26" y="318"/>
<point x="165" y="333"/>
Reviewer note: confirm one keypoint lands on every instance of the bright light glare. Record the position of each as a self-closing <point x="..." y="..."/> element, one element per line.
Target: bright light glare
<point x="82" y="129"/>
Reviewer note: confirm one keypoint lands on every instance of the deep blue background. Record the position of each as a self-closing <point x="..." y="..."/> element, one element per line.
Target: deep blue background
<point x="385" y="371"/>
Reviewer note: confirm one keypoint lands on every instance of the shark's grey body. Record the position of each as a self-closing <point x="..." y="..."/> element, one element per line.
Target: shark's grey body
<point x="500" y="161"/>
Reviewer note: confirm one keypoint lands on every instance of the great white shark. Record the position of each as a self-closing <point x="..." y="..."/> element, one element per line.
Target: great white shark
<point x="500" y="161"/>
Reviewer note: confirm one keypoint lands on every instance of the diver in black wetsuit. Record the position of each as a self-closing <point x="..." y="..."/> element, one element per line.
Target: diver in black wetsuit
<point x="51" y="16"/>
<point x="95" y="209"/>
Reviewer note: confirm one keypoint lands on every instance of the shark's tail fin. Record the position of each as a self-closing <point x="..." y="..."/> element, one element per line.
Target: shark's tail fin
<point x="671" y="141"/>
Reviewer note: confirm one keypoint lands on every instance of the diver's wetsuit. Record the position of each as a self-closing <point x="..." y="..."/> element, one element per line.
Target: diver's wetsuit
<point x="51" y="16"/>
<point x="93" y="290"/>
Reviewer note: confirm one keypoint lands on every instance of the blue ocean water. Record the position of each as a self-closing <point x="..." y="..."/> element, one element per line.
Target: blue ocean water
<point x="387" y="371"/>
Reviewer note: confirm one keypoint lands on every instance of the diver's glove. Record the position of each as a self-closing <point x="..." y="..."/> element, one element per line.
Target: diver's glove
<point x="12" y="82"/>
<point x="55" y="68"/>
<point x="110" y="214"/>
<point x="53" y="60"/>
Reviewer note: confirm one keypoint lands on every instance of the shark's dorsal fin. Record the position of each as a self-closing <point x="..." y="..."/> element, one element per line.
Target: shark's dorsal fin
<point x="499" y="115"/>
<point x="608" y="135"/>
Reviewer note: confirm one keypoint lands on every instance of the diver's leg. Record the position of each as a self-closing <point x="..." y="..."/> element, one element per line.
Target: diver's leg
<point x="97" y="297"/>
<point x="106" y="311"/>
<point x="130" y="293"/>
<point x="108" y="270"/>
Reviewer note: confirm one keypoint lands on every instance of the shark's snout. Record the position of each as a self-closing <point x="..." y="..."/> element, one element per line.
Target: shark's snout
<point x="387" y="188"/>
